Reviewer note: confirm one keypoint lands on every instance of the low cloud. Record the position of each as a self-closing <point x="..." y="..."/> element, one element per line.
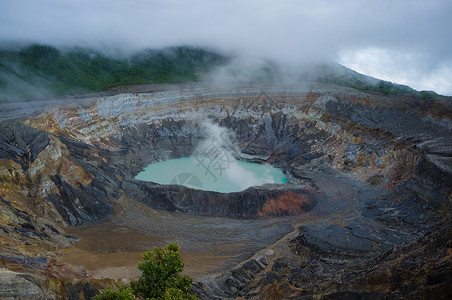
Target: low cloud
<point x="288" y="31"/>
<point x="413" y="69"/>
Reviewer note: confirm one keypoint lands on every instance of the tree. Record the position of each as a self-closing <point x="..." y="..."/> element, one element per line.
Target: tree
<point x="160" y="277"/>
<point x="160" y="273"/>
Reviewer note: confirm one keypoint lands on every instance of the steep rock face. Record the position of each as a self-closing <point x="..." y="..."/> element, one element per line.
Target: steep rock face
<point x="42" y="190"/>
<point x="268" y="200"/>
<point x="21" y="142"/>
<point x="14" y="285"/>
<point x="420" y="269"/>
<point x="39" y="167"/>
<point x="73" y="164"/>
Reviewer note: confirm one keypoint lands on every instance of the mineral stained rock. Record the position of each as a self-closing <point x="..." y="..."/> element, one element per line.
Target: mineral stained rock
<point x="370" y="188"/>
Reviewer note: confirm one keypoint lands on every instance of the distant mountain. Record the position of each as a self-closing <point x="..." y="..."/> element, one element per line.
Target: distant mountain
<point x="340" y="75"/>
<point x="327" y="72"/>
<point x="38" y="72"/>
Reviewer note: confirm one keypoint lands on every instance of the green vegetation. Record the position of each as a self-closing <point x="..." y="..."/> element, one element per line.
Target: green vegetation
<point x="340" y="75"/>
<point x="38" y="71"/>
<point x="123" y="292"/>
<point x="160" y="278"/>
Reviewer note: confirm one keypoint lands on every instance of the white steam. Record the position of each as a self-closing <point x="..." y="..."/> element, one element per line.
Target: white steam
<point x="217" y="137"/>
<point x="219" y="147"/>
<point x="244" y="178"/>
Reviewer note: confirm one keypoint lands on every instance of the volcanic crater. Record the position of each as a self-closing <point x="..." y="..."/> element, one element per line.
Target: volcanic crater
<point x="367" y="202"/>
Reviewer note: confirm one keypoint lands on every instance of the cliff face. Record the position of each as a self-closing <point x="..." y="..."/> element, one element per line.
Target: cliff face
<point x="370" y="171"/>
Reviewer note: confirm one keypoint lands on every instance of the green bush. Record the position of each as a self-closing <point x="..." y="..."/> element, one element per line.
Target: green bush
<point x="160" y="278"/>
<point x="176" y="294"/>
<point x="123" y="292"/>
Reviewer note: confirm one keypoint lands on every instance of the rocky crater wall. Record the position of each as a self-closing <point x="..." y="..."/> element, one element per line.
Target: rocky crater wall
<point x="72" y="164"/>
<point x="93" y="150"/>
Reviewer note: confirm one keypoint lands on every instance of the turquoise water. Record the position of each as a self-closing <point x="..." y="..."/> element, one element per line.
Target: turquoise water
<point x="211" y="175"/>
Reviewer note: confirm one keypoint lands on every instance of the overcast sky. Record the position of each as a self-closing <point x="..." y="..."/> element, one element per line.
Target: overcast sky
<point x="408" y="42"/>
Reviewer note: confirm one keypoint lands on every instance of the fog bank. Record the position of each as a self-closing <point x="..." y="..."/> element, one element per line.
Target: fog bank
<point x="414" y="33"/>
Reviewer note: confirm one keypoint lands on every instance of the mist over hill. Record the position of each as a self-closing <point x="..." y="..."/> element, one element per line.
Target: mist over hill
<point x="37" y="72"/>
<point x="40" y="72"/>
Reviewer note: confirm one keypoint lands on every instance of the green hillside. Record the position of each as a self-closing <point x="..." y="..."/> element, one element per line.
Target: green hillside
<point x="38" y="72"/>
<point x="340" y="75"/>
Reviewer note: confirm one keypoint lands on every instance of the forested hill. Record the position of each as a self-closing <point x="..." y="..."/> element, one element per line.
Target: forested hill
<point x="38" y="72"/>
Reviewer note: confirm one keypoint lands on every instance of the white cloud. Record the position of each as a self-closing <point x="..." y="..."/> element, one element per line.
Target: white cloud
<point x="288" y="30"/>
<point x="406" y="68"/>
